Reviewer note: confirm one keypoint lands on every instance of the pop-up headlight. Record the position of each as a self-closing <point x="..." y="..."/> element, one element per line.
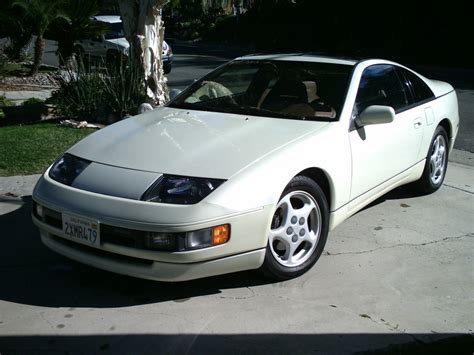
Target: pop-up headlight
<point x="67" y="168"/>
<point x="180" y="189"/>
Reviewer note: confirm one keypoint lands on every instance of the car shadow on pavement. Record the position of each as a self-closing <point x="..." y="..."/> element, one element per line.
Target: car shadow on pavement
<point x="32" y="274"/>
<point x="266" y="343"/>
<point x="400" y="193"/>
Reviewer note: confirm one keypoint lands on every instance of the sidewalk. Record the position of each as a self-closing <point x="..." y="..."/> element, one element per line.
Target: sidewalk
<point x="19" y="96"/>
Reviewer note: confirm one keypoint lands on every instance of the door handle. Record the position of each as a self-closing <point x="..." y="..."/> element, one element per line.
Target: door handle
<point x="417" y="123"/>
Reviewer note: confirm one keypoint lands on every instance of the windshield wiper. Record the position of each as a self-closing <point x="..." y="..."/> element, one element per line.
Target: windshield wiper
<point x="255" y="111"/>
<point x="234" y="108"/>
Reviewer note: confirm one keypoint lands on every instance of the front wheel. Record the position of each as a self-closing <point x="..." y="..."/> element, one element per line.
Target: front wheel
<point x="298" y="230"/>
<point x="436" y="163"/>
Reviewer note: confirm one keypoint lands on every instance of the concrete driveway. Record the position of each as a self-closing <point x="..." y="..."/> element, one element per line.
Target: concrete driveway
<point x="397" y="275"/>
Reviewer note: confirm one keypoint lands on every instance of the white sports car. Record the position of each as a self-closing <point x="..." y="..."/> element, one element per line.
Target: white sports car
<point x="248" y="168"/>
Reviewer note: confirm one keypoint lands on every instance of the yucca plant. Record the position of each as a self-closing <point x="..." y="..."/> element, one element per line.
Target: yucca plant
<point x="97" y="93"/>
<point x="124" y="89"/>
<point x="80" y="93"/>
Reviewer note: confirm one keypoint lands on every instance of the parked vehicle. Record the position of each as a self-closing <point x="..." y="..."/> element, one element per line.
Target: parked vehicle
<point x="113" y="44"/>
<point x="250" y="167"/>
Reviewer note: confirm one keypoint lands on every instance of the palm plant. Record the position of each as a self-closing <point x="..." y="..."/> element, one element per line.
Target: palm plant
<point x="79" y="26"/>
<point x="40" y="14"/>
<point x="12" y="26"/>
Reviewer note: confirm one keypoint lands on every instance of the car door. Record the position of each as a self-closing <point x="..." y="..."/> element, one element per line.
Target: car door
<point x="383" y="151"/>
<point x="95" y="46"/>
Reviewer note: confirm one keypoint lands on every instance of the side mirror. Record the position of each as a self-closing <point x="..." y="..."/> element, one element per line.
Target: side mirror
<point x="174" y="93"/>
<point x="375" y="114"/>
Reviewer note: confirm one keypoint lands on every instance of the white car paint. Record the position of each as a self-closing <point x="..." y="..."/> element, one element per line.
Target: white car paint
<point x="257" y="155"/>
<point x="174" y="134"/>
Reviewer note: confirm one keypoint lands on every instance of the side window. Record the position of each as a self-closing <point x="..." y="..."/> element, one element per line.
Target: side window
<point x="421" y="91"/>
<point x="380" y="85"/>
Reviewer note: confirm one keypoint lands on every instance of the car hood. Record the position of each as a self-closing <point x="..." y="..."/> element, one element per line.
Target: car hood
<point x="191" y="143"/>
<point x="119" y="42"/>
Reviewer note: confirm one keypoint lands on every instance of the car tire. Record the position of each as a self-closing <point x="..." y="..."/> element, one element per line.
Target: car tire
<point x="298" y="230"/>
<point x="436" y="163"/>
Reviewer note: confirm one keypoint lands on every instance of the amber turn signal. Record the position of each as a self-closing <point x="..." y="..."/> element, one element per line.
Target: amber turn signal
<point x="220" y="234"/>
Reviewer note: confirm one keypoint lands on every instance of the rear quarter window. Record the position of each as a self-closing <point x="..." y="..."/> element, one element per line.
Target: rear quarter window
<point x="421" y="91"/>
<point x="380" y="85"/>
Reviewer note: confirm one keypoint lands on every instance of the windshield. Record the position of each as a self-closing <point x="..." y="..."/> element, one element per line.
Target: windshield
<point x="282" y="89"/>
<point x="115" y="31"/>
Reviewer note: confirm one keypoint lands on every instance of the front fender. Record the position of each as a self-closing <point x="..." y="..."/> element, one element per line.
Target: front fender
<point x="262" y="182"/>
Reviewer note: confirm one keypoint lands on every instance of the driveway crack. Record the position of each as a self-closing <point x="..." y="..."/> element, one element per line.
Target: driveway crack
<point x="468" y="235"/>
<point x="458" y="188"/>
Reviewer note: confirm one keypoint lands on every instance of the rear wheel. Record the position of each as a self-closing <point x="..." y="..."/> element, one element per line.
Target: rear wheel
<point x="298" y="230"/>
<point x="436" y="163"/>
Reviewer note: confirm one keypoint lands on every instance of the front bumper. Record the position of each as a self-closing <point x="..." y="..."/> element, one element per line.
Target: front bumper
<point x="245" y="250"/>
<point x="149" y="269"/>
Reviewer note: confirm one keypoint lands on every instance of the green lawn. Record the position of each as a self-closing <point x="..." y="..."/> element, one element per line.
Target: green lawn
<point x="30" y="148"/>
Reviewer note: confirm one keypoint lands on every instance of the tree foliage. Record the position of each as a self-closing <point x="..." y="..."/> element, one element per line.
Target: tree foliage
<point x="15" y="27"/>
<point x="40" y="14"/>
<point x="80" y="25"/>
<point x="65" y="21"/>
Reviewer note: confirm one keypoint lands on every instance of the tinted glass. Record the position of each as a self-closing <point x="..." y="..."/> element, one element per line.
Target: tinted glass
<point x="380" y="85"/>
<point x="273" y="88"/>
<point x="421" y="91"/>
<point x="115" y="31"/>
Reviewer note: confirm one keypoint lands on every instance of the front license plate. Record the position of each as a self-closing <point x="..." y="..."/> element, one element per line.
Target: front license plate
<point x="81" y="230"/>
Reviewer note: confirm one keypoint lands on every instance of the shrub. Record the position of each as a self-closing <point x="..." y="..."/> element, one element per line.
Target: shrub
<point x="80" y="93"/>
<point x="3" y="64"/>
<point x="4" y="102"/>
<point x="97" y="93"/>
<point x="124" y="87"/>
<point x="32" y="101"/>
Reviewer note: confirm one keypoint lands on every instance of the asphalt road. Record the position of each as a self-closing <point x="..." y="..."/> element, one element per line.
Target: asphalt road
<point x="193" y="61"/>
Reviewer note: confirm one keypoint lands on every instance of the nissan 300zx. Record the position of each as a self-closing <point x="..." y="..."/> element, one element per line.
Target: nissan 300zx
<point x="249" y="168"/>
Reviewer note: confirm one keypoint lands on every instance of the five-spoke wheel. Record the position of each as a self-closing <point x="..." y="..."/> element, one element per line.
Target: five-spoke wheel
<point x="438" y="159"/>
<point x="436" y="163"/>
<point x="298" y="230"/>
<point x="295" y="229"/>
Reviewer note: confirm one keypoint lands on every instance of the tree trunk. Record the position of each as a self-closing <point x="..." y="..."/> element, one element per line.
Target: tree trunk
<point x="144" y="31"/>
<point x="237" y="10"/>
<point x="65" y="50"/>
<point x="39" y="50"/>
